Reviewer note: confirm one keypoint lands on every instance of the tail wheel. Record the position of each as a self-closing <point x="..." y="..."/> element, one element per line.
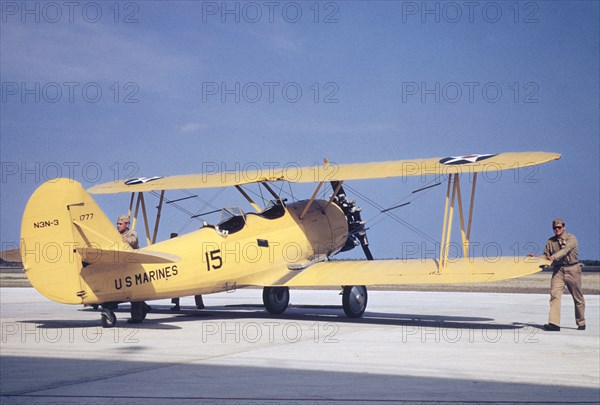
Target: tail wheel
<point x="276" y="299"/>
<point x="108" y="318"/>
<point x="354" y="300"/>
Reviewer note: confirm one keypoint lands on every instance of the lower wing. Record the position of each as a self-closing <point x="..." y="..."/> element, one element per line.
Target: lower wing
<point x="402" y="272"/>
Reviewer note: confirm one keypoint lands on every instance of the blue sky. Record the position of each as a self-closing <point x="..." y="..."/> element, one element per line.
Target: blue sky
<point x="97" y="90"/>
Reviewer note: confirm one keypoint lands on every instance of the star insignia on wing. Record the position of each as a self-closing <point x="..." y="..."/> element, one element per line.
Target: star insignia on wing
<point x="461" y="160"/>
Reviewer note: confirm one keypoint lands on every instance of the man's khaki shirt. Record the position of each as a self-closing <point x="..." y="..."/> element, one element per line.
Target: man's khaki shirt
<point x="563" y="249"/>
<point x="131" y="237"/>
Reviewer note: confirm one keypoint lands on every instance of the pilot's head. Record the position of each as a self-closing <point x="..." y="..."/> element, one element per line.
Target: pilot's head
<point x="123" y="223"/>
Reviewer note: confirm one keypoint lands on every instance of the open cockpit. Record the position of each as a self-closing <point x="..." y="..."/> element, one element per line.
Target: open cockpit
<point x="233" y="219"/>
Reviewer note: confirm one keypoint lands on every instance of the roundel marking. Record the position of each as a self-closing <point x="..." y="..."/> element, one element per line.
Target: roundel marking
<point x="141" y="180"/>
<point x="461" y="160"/>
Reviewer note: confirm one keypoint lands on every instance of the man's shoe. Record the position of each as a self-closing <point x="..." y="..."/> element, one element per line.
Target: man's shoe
<point x="581" y="327"/>
<point x="131" y="320"/>
<point x="552" y="327"/>
<point x="175" y="308"/>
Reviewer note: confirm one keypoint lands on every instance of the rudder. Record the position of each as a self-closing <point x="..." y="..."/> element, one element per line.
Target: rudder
<point x="61" y="217"/>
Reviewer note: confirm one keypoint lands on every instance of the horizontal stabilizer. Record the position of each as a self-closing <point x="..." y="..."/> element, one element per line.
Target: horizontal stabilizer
<point x="107" y="256"/>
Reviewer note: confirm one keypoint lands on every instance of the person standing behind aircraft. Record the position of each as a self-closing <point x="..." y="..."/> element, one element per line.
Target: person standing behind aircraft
<point x="138" y="309"/>
<point x="197" y="298"/>
<point x="561" y="249"/>
<point x="127" y="234"/>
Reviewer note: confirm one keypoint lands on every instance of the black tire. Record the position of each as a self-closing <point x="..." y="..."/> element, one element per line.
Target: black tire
<point x="354" y="300"/>
<point x="108" y="318"/>
<point x="276" y="299"/>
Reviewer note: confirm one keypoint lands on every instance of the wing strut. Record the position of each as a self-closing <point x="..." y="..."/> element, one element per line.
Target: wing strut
<point x="270" y="190"/>
<point x="131" y="204"/>
<point x="160" y="204"/>
<point x="312" y="199"/>
<point x="145" y="216"/>
<point x="448" y="213"/>
<point x="247" y="197"/>
<point x="140" y="201"/>
<point x="454" y="184"/>
<point x="471" y="209"/>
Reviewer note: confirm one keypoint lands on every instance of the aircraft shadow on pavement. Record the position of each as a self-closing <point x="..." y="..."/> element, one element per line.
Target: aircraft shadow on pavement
<point x="329" y="313"/>
<point x="162" y="317"/>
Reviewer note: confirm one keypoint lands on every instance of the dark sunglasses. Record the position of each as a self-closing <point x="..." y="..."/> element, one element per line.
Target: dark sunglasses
<point x="557" y="227"/>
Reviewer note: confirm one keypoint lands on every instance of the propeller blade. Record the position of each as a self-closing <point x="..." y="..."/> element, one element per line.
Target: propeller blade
<point x="364" y="243"/>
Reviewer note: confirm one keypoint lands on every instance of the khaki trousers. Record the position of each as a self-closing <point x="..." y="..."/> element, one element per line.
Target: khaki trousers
<point x="139" y="310"/>
<point x="571" y="277"/>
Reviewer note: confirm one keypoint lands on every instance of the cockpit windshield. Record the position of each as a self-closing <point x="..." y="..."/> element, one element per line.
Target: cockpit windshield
<point x="273" y="210"/>
<point x="232" y="220"/>
<point x="228" y="213"/>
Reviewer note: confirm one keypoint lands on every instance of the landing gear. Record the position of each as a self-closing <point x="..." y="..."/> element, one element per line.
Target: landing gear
<point x="108" y="318"/>
<point x="354" y="300"/>
<point x="276" y="299"/>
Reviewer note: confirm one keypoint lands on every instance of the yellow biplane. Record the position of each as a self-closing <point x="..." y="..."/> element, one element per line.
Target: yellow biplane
<point x="72" y="253"/>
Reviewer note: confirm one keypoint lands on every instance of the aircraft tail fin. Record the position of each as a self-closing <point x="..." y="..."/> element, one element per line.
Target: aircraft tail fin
<point x="61" y="221"/>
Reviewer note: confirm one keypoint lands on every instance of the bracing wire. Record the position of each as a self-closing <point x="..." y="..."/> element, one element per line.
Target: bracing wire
<point x="390" y="214"/>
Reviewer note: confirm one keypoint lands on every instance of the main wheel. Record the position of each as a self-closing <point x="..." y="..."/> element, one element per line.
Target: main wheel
<point x="108" y="318"/>
<point x="354" y="300"/>
<point x="276" y="299"/>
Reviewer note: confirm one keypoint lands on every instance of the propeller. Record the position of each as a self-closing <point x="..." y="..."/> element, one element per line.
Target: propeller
<point x="357" y="234"/>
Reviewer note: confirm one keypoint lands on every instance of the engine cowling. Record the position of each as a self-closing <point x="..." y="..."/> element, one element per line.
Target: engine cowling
<point x="324" y="225"/>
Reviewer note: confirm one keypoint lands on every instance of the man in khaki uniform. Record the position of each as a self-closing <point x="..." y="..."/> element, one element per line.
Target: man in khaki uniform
<point x="138" y="309"/>
<point x="127" y="234"/>
<point x="561" y="249"/>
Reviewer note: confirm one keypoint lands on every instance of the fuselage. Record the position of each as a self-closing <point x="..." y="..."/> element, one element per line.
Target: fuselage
<point x="225" y="256"/>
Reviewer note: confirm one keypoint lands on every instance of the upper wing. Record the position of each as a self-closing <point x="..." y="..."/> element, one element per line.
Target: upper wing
<point x="401" y="272"/>
<point x="332" y="172"/>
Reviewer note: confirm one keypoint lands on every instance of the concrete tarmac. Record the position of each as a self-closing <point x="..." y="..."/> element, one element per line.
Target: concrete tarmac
<point x="409" y="347"/>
